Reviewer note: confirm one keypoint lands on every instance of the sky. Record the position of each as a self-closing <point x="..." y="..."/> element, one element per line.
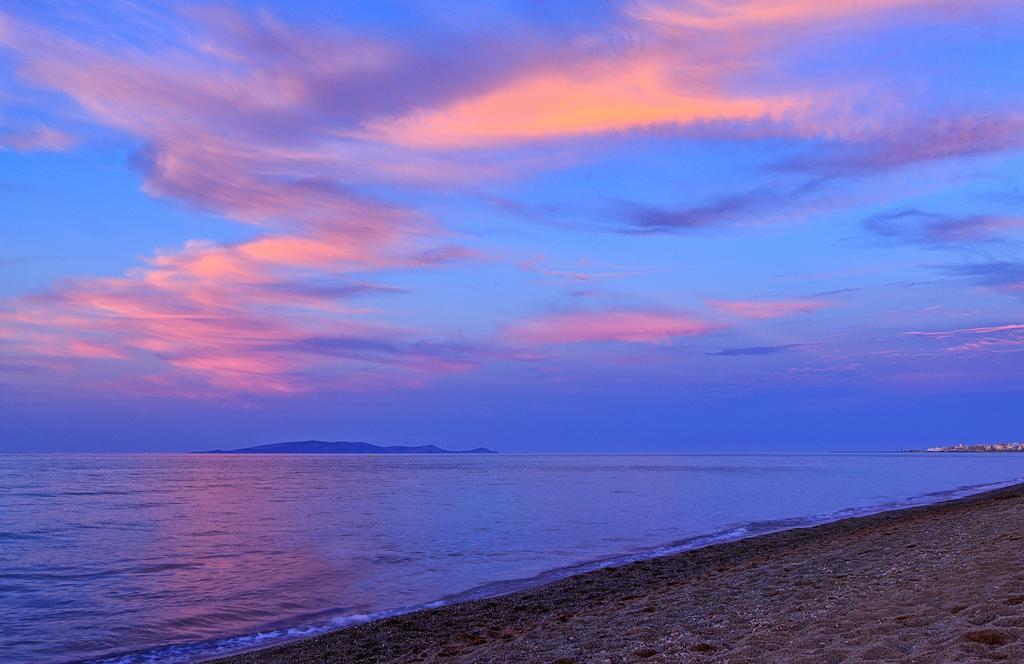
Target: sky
<point x="636" y="226"/>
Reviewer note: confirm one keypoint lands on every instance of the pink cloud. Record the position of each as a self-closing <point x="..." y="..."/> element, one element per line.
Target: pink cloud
<point x="639" y="327"/>
<point x="258" y="316"/>
<point x="79" y="348"/>
<point x="38" y="139"/>
<point x="230" y="130"/>
<point x="746" y="14"/>
<point x="765" y="309"/>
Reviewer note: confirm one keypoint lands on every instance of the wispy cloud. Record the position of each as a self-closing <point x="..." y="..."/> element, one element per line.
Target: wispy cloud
<point x="765" y="309"/>
<point x="649" y="219"/>
<point x="247" y="121"/>
<point x="993" y="338"/>
<point x="725" y="15"/>
<point x="624" y="326"/>
<point x="870" y="150"/>
<point x="913" y="225"/>
<point x="36" y="139"/>
<point x="756" y="350"/>
<point x="728" y="209"/>
<point x="944" y="334"/>
<point x="1003" y="276"/>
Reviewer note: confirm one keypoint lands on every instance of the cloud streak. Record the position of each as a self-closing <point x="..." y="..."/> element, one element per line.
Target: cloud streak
<point x="654" y="328"/>
<point x="913" y="225"/>
<point x="993" y="338"/>
<point x="1006" y="277"/>
<point x="768" y="309"/>
<point x="728" y="15"/>
<point x="756" y="350"/>
<point x="37" y="139"/>
<point x="725" y="210"/>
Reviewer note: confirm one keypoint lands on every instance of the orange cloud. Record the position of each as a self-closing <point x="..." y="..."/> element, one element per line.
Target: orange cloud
<point x="662" y="79"/>
<point x="601" y="96"/>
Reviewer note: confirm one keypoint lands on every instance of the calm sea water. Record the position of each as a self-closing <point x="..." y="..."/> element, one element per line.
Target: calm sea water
<point x="172" y="558"/>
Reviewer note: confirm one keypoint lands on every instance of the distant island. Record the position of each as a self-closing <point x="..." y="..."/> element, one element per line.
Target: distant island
<point x="980" y="447"/>
<point x="343" y="447"/>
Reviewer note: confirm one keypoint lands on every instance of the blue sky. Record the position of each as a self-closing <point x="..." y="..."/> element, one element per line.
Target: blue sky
<point x="664" y="225"/>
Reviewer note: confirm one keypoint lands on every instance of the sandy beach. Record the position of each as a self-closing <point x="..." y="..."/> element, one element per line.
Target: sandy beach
<point x="941" y="583"/>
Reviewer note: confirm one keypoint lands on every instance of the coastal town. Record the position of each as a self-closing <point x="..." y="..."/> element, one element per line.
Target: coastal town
<point x="980" y="447"/>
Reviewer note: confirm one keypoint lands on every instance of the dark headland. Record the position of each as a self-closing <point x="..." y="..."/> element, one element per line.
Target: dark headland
<point x="344" y="447"/>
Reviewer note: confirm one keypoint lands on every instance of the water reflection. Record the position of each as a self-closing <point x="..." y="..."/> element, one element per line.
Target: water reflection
<point x="103" y="554"/>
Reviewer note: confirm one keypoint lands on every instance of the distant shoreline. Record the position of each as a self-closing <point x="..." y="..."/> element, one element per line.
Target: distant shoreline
<point x="883" y="586"/>
<point x="994" y="448"/>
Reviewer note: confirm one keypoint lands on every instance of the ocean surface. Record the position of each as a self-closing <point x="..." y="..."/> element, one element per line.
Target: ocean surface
<point x="173" y="558"/>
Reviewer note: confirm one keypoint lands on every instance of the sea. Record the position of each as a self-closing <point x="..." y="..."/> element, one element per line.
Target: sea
<point x="182" y="557"/>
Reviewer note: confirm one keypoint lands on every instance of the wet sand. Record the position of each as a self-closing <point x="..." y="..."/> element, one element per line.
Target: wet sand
<point x="942" y="583"/>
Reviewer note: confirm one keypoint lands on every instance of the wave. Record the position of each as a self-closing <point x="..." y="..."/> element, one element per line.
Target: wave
<point x="322" y="622"/>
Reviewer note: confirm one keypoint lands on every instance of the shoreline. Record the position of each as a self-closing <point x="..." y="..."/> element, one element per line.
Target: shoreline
<point x="496" y="628"/>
